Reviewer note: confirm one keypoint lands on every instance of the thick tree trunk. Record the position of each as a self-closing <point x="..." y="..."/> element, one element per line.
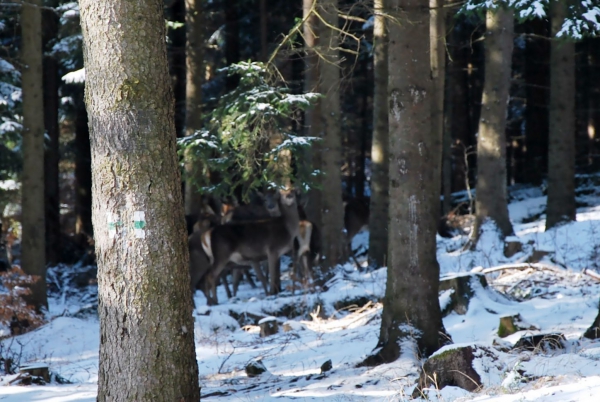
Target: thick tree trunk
<point x="312" y="117"/>
<point x="437" y="39"/>
<point x="194" y="58"/>
<point x="332" y="223"/>
<point x="561" y="150"/>
<point x="378" y="217"/>
<point x="593" y="112"/>
<point x="83" y="171"/>
<point x="411" y="308"/>
<point x="145" y="307"/>
<point x="33" y="254"/>
<point x="52" y="153"/>
<point x="537" y="76"/>
<point x="491" y="142"/>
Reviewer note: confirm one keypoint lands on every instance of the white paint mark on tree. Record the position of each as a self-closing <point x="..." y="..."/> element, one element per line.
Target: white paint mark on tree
<point x="139" y="223"/>
<point x="112" y="225"/>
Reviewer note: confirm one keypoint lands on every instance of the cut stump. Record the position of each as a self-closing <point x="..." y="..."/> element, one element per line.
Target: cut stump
<point x="463" y="287"/>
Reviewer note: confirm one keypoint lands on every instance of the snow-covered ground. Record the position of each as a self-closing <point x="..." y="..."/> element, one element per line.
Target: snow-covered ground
<point x="326" y="326"/>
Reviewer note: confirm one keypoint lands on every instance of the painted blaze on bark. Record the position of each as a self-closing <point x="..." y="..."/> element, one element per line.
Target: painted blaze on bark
<point x="411" y="308"/>
<point x="147" y="339"/>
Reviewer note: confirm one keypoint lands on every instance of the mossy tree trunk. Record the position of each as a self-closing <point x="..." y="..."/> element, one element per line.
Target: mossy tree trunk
<point x="561" y="150"/>
<point x="491" y="201"/>
<point x="194" y="59"/>
<point x="33" y="254"/>
<point x="145" y="307"/>
<point x="332" y="214"/>
<point x="410" y="308"/>
<point x="378" y="217"/>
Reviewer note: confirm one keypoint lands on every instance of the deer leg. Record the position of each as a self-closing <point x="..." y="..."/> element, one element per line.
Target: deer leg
<point x="261" y="276"/>
<point x="246" y="273"/>
<point x="236" y="275"/>
<point x="274" y="279"/>
<point x="226" y="284"/>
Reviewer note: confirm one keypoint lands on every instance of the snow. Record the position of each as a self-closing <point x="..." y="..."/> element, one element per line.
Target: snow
<point x="561" y="299"/>
<point x="75" y="77"/>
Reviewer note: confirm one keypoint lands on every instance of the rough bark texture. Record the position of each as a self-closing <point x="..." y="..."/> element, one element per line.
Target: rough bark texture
<point x="491" y="142"/>
<point x="194" y="57"/>
<point x="593" y="332"/>
<point x="145" y="307"/>
<point x="561" y="149"/>
<point x="51" y="157"/>
<point x="378" y="217"/>
<point x="437" y="33"/>
<point x="411" y="296"/>
<point x="312" y="117"/>
<point x="332" y="213"/>
<point x="83" y="171"/>
<point x="33" y="254"/>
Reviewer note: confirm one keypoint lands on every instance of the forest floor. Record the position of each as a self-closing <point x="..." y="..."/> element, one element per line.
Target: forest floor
<point x="342" y="324"/>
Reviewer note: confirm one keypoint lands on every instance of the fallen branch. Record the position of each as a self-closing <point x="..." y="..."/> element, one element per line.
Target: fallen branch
<point x="592" y="274"/>
<point x="522" y="266"/>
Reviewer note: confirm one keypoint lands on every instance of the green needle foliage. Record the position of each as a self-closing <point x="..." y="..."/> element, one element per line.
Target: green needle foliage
<point x="248" y="143"/>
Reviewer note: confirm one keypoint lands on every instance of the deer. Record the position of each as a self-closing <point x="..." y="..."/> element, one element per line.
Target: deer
<point x="307" y="248"/>
<point x="253" y="241"/>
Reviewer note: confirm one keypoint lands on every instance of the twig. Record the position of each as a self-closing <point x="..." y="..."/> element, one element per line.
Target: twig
<point x="522" y="266"/>
<point x="227" y="358"/>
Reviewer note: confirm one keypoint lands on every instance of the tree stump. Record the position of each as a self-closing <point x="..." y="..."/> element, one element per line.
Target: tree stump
<point x="449" y="367"/>
<point x="268" y="326"/>
<point x="325" y="367"/>
<point x="463" y="287"/>
<point x="255" y="368"/>
<point x="512" y="323"/>
<point x="36" y="370"/>
<point x="512" y="247"/>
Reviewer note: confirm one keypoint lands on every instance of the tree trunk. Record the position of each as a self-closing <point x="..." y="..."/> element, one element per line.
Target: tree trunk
<point x="194" y="58"/>
<point x="378" y="217"/>
<point x="593" y="112"/>
<point x="332" y="224"/>
<point x="561" y="150"/>
<point x="263" y="30"/>
<point x="145" y="307"/>
<point x="491" y="142"/>
<point x="52" y="153"/>
<point x="83" y="171"/>
<point x="437" y="39"/>
<point x="537" y="77"/>
<point x="232" y="40"/>
<point x="33" y="253"/>
<point x="312" y="117"/>
<point x="411" y="309"/>
<point x="177" y="63"/>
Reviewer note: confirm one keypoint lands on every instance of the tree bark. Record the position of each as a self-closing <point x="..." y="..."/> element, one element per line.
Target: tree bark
<point x="232" y="40"/>
<point x="411" y="309"/>
<point x="33" y="254"/>
<point x="145" y="307"/>
<point x="332" y="213"/>
<point x="83" y="171"/>
<point x="561" y="150"/>
<point x="312" y="116"/>
<point x="437" y="39"/>
<point x="378" y="217"/>
<point x="194" y="58"/>
<point x="52" y="153"/>
<point x="491" y="199"/>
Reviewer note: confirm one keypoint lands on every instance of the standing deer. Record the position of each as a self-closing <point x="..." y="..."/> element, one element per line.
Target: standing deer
<point x="356" y="217"/>
<point x="253" y="241"/>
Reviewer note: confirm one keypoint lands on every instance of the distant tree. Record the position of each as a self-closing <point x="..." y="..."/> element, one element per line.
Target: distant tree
<point x="52" y="151"/>
<point x="33" y="254"/>
<point x="593" y="332"/>
<point x="194" y="58"/>
<point x="332" y="214"/>
<point x="312" y="116"/>
<point x="561" y="151"/>
<point x="411" y="310"/>
<point x="378" y="217"/>
<point x="145" y="307"/>
<point x="491" y="201"/>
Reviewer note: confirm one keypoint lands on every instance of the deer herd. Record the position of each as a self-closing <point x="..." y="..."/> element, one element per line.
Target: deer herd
<point x="228" y="237"/>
